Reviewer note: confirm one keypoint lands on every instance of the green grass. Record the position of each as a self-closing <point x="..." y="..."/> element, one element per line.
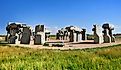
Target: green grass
<point x="17" y="58"/>
<point x="52" y="35"/>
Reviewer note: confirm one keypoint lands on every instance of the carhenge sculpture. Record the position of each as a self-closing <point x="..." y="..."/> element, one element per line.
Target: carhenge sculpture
<point x="18" y="32"/>
<point x="23" y="34"/>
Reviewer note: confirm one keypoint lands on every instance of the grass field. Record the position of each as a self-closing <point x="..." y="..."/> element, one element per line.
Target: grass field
<point x="18" y="58"/>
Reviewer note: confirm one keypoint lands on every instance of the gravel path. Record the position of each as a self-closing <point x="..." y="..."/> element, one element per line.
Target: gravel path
<point x="82" y="45"/>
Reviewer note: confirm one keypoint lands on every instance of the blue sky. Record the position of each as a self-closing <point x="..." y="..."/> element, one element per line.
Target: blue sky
<point x="59" y="13"/>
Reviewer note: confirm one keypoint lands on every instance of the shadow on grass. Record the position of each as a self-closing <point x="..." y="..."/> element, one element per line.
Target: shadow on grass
<point x="22" y="47"/>
<point x="5" y="44"/>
